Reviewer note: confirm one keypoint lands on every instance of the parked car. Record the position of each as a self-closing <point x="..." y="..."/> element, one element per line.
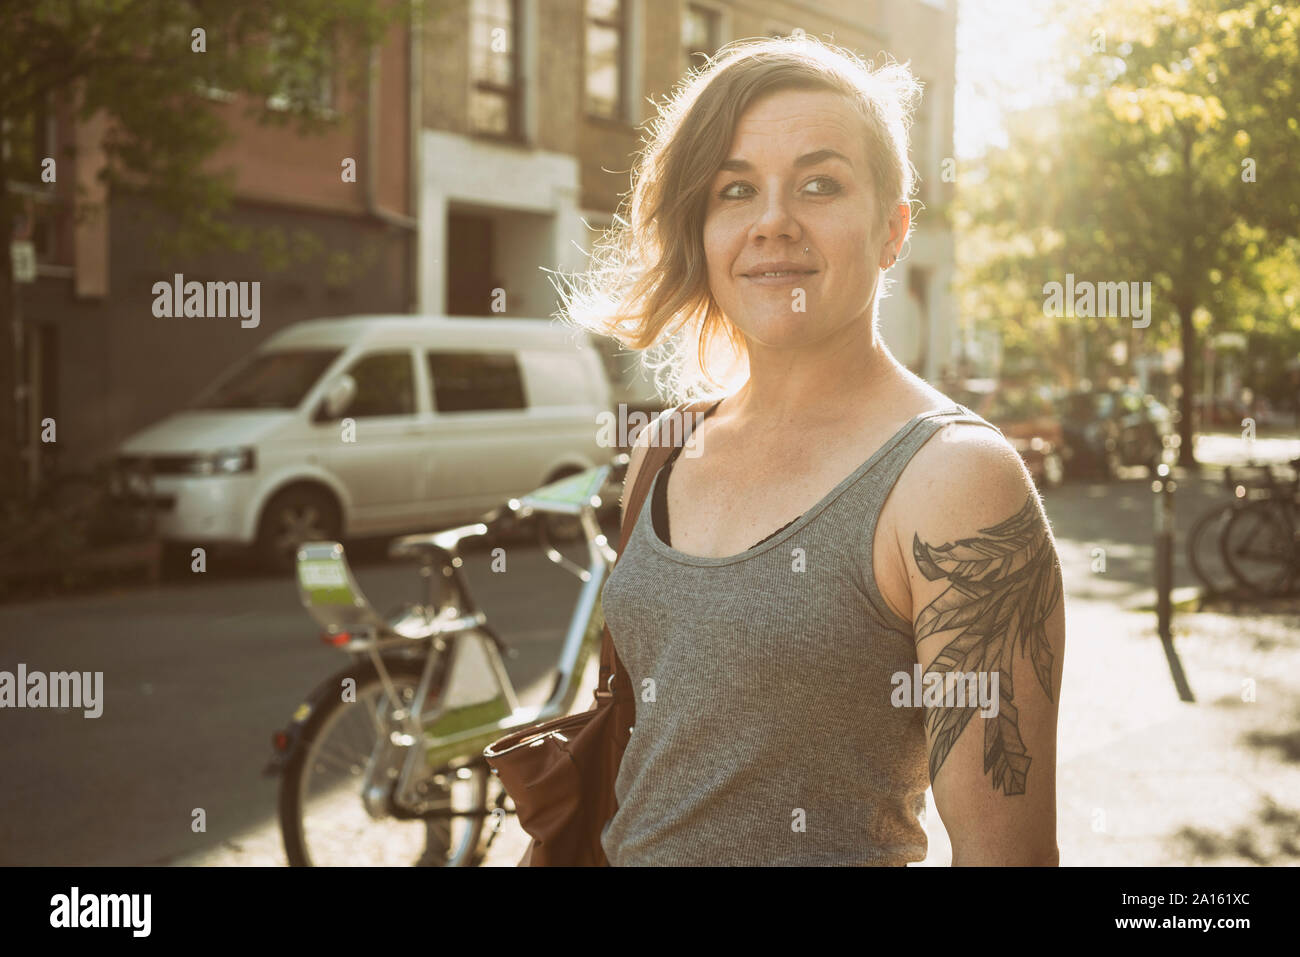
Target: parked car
<point x="1219" y="412"/>
<point x="1108" y="429"/>
<point x="1026" y="418"/>
<point x="371" y="425"/>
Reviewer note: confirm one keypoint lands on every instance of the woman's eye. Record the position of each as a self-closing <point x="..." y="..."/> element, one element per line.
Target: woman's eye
<point x="826" y="187"/>
<point x="830" y="186"/>
<point x="726" y="191"/>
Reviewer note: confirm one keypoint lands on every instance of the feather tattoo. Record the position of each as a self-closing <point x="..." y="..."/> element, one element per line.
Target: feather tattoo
<point x="1002" y="586"/>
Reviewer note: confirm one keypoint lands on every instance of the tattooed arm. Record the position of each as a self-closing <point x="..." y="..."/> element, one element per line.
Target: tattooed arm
<point x="986" y="602"/>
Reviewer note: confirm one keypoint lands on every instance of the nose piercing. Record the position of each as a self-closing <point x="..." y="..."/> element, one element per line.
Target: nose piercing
<point x="805" y="250"/>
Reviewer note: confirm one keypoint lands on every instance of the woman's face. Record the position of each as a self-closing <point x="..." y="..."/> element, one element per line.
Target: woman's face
<point x="796" y="176"/>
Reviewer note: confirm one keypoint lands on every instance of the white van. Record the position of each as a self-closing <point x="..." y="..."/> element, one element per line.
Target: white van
<point x="372" y="425"/>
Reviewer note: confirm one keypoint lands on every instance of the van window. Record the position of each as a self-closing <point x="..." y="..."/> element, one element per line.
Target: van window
<point x="268" y="380"/>
<point x="474" y="381"/>
<point x="385" y="385"/>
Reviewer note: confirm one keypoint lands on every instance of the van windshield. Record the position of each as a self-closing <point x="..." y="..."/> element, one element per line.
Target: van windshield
<point x="268" y="380"/>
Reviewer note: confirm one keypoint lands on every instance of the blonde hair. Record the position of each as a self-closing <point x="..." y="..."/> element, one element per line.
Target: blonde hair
<point x="648" y="284"/>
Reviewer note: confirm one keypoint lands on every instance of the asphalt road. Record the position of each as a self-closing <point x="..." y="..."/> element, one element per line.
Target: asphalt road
<point x="201" y="670"/>
<point x="197" y="676"/>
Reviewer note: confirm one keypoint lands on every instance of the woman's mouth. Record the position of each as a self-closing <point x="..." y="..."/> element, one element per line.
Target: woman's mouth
<point x="783" y="277"/>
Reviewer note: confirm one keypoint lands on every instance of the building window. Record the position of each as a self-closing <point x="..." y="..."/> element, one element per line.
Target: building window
<point x="494" y="68"/>
<point x="305" y="82"/>
<point x="606" y="41"/>
<point x="700" y="35"/>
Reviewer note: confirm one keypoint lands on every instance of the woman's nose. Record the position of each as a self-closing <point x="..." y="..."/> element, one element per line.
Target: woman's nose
<point x="775" y="217"/>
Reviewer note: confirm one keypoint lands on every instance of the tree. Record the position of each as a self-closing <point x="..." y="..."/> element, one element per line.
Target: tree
<point x="1169" y="164"/>
<point x="152" y="68"/>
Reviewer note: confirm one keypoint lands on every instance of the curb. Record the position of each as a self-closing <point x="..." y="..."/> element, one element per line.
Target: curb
<point x="1196" y="598"/>
<point x="1187" y="598"/>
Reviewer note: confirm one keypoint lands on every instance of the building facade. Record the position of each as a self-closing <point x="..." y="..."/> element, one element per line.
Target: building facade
<point x="98" y="361"/>
<point x="531" y="119"/>
<point x="492" y="142"/>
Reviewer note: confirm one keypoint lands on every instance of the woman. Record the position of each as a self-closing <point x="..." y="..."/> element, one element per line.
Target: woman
<point x="845" y="589"/>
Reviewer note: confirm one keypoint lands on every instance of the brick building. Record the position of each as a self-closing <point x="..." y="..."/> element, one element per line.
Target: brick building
<point x="529" y="129"/>
<point x="490" y="141"/>
<point x="100" y="363"/>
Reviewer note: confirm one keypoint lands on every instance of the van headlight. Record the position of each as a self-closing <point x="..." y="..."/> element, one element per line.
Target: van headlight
<point x="224" y="462"/>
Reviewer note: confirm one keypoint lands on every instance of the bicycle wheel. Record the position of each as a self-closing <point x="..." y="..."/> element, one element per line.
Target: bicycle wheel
<point x="1205" y="552"/>
<point x="326" y="820"/>
<point x="1261" y="547"/>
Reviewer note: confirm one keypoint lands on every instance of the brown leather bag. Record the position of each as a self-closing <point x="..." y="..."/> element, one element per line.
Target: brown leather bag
<point x="560" y="773"/>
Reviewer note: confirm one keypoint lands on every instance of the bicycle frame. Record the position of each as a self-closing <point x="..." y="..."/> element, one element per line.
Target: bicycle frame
<point x="474" y="702"/>
<point x="446" y="733"/>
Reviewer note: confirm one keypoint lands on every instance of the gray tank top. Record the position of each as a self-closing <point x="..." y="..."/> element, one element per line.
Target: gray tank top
<point x="764" y="732"/>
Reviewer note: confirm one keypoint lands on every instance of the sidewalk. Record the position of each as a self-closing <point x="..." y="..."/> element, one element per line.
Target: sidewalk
<point x="1146" y="779"/>
<point x="1142" y="778"/>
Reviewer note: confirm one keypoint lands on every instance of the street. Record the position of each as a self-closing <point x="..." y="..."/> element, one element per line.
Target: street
<point x="198" y="674"/>
<point x="196" y="678"/>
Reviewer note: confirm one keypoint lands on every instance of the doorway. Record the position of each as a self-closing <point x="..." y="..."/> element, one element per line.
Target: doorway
<point x="471" y="272"/>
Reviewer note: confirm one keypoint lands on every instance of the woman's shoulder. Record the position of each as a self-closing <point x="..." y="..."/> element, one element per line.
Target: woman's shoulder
<point x="965" y="444"/>
<point x="965" y="477"/>
<point x="661" y="428"/>
<point x="966" y="434"/>
<point x="966" y="457"/>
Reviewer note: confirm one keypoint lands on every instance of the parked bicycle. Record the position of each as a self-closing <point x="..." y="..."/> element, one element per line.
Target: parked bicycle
<point x="1261" y="539"/>
<point x="1249" y="545"/>
<point x="382" y="763"/>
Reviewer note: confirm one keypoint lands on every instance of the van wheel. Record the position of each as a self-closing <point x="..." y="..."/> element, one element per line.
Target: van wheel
<point x="295" y="516"/>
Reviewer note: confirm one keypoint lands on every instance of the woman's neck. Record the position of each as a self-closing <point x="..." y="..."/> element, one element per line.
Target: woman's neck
<point x="785" y="386"/>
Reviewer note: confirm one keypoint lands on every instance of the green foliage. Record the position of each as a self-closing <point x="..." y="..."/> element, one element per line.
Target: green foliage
<point x="165" y="92"/>
<point x="1141" y="175"/>
<point x="135" y="60"/>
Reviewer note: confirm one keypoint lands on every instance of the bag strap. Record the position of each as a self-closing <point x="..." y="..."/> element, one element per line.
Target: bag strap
<point x="683" y="418"/>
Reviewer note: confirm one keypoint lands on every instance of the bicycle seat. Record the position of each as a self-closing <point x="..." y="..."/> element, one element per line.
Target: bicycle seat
<point x="434" y="547"/>
<point x="569" y="495"/>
